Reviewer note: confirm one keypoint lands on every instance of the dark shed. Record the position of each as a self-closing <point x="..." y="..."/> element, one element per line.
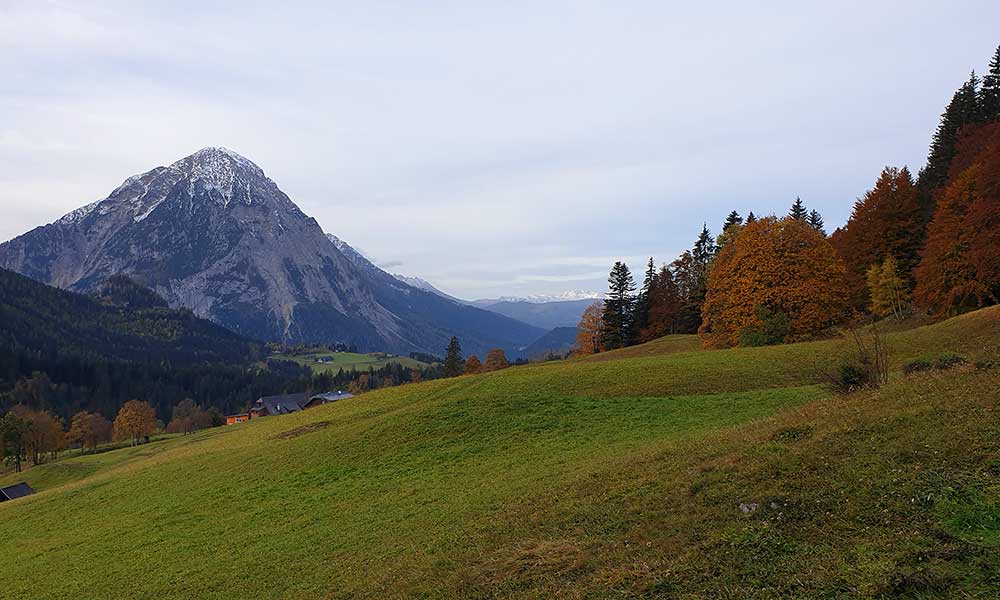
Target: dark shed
<point x="13" y="492"/>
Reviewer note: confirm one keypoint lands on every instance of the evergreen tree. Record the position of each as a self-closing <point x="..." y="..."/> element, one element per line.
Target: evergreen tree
<point x="989" y="95"/>
<point x="619" y="317"/>
<point x="751" y="217"/>
<point x="704" y="247"/>
<point x="453" y="363"/>
<point x="798" y="211"/>
<point x="729" y="230"/>
<point x="961" y="111"/>
<point x="642" y="301"/>
<point x="734" y="218"/>
<point x="815" y="221"/>
<point x="690" y="272"/>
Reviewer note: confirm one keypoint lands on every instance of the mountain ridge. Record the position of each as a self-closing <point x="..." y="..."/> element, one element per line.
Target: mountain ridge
<point x="212" y="233"/>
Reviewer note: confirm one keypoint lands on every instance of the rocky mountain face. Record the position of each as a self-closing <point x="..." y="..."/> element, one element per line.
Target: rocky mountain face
<point x="214" y="234"/>
<point x="361" y="260"/>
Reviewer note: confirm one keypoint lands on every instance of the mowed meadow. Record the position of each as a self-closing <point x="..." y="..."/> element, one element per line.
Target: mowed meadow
<point x="660" y="470"/>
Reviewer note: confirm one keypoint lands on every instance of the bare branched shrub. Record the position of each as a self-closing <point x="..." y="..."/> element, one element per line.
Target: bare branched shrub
<point x="868" y="366"/>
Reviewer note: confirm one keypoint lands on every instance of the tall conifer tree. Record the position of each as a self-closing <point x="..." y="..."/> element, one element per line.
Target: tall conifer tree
<point x="798" y="211"/>
<point x="453" y="363"/>
<point x="642" y="301"/>
<point x="815" y="220"/>
<point x="961" y="111"/>
<point x="618" y="319"/>
<point x="704" y="247"/>
<point x="733" y="218"/>
<point x="989" y="96"/>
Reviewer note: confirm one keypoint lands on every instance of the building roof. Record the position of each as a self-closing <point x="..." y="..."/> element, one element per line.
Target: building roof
<point x="18" y="490"/>
<point x="282" y="405"/>
<point x="330" y="396"/>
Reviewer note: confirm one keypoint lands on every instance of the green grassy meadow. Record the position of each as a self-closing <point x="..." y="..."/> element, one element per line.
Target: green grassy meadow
<point x="662" y="471"/>
<point x="349" y="361"/>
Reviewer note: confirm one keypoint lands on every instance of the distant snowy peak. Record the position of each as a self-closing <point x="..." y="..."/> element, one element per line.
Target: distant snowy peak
<point x="568" y="296"/>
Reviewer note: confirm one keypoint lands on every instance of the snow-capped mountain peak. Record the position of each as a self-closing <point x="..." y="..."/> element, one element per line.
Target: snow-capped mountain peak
<point x="222" y="171"/>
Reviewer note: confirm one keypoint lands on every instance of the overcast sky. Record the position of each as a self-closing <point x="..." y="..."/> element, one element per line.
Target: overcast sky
<point x="492" y="148"/>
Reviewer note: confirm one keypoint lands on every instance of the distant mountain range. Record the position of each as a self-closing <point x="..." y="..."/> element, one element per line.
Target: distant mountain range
<point x="547" y="315"/>
<point x="556" y="342"/>
<point x="212" y="233"/>
<point x="544" y="311"/>
<point x="568" y="296"/>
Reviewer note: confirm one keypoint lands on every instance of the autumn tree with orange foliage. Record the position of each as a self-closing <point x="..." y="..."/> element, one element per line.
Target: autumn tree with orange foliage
<point x="590" y="331"/>
<point x="496" y="360"/>
<point x="89" y="430"/>
<point x="960" y="269"/>
<point x="783" y="268"/>
<point x="45" y="434"/>
<point x="886" y="222"/>
<point x="135" y="420"/>
<point x="473" y="366"/>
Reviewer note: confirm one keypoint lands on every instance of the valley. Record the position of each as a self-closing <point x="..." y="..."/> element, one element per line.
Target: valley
<point x="673" y="301"/>
<point x="320" y="360"/>
<point x="657" y="469"/>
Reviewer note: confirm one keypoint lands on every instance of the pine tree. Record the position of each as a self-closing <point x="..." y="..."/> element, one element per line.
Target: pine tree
<point x="618" y="318"/>
<point x="961" y="111"/>
<point x="704" y="247"/>
<point x="989" y="95"/>
<point x="733" y="218"/>
<point x="798" y="211"/>
<point x="730" y="228"/>
<point x="642" y="301"/>
<point x="453" y="363"/>
<point x="751" y="217"/>
<point x="815" y="220"/>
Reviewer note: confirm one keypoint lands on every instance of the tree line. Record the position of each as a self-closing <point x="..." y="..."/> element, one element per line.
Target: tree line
<point x="930" y="244"/>
<point x="38" y="435"/>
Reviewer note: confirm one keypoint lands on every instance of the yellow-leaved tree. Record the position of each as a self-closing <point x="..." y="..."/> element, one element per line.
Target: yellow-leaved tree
<point x="135" y="421"/>
<point x="887" y="289"/>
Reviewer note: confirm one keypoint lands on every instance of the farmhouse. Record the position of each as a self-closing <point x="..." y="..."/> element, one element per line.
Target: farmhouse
<point x="327" y="397"/>
<point x="282" y="405"/>
<point x="13" y="492"/>
<point x="237" y="418"/>
<point x="278" y="405"/>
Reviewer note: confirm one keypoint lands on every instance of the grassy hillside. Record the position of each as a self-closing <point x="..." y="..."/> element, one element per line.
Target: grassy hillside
<point x="673" y="473"/>
<point x="349" y="361"/>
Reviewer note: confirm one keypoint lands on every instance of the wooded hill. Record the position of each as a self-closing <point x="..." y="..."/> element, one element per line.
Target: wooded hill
<point x="64" y="352"/>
